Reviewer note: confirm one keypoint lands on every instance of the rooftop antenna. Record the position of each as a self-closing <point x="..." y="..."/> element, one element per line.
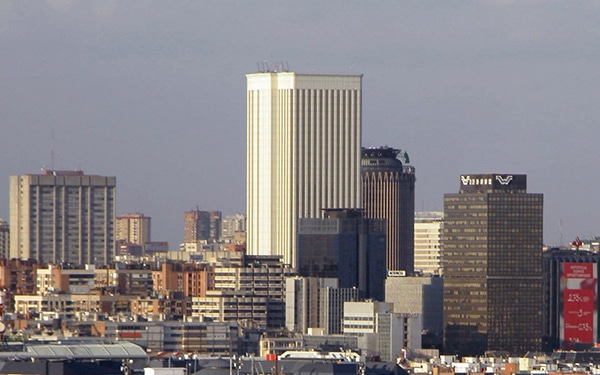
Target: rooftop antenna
<point x="560" y="230"/>
<point x="52" y="151"/>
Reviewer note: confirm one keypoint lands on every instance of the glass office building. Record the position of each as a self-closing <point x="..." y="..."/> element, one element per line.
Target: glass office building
<point x="492" y="266"/>
<point x="345" y="246"/>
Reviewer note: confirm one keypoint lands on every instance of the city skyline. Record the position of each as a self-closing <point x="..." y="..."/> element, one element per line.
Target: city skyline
<point x="154" y="95"/>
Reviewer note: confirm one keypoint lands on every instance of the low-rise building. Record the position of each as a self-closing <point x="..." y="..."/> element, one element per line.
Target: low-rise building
<point x="210" y="338"/>
<point x="65" y="279"/>
<point x="384" y="332"/>
<point x="422" y="295"/>
<point x="68" y="306"/>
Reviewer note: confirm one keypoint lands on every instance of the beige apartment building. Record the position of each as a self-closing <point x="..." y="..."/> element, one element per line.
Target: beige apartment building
<point x="62" y="217"/>
<point x="133" y="228"/>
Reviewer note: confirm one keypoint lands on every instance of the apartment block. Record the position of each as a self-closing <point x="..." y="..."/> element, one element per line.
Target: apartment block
<point x="4" y="239"/>
<point x="133" y="229"/>
<point x="202" y="338"/>
<point x="62" y="217"/>
<point x="201" y="225"/>
<point x="58" y="279"/>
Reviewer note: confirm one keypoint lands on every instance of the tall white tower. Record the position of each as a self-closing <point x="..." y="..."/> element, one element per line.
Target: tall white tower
<point x="304" y="137"/>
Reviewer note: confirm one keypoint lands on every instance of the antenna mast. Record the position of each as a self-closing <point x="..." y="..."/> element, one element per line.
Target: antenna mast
<point x="52" y="151"/>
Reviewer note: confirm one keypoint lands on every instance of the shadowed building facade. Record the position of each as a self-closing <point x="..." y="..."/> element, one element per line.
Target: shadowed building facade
<point x="570" y="314"/>
<point x="492" y="266"/>
<point x="345" y="246"/>
<point x="303" y="154"/>
<point x="4" y="238"/>
<point x="389" y="193"/>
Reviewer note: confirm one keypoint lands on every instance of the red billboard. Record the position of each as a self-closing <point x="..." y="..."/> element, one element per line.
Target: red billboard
<point x="579" y="313"/>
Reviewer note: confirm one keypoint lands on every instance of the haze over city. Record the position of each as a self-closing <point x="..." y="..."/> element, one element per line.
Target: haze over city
<point x="154" y="94"/>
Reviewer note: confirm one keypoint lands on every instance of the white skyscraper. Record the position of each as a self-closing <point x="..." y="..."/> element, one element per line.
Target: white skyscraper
<point x="304" y="138"/>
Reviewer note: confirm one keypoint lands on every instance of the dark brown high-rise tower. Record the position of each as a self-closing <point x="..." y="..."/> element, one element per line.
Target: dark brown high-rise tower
<point x="389" y="193"/>
<point x="492" y="266"/>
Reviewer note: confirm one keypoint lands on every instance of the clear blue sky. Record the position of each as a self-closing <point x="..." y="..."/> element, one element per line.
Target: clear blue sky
<point x="153" y="92"/>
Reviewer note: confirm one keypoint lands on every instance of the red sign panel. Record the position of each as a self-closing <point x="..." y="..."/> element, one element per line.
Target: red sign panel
<point x="579" y="312"/>
<point x="579" y="316"/>
<point x="130" y="335"/>
<point x="578" y="270"/>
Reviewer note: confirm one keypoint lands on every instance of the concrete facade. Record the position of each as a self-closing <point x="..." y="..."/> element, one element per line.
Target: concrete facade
<point x="418" y="295"/>
<point x="63" y="216"/>
<point x="303" y="154"/>
<point x="429" y="231"/>
<point x="133" y="229"/>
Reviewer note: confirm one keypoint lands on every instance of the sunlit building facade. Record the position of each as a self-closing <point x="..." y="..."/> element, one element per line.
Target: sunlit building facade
<point x="429" y="230"/>
<point x="201" y="226"/>
<point x="389" y="193"/>
<point x="133" y="228"/>
<point x="63" y="217"/>
<point x="303" y="154"/>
